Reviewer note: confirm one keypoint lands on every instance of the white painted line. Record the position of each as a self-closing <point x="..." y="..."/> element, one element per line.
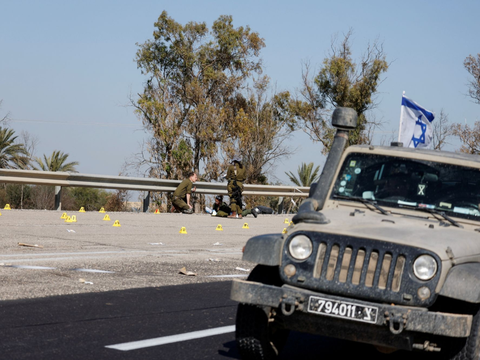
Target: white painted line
<point x="93" y="270"/>
<point x="227" y="276"/>
<point x="171" y="339"/>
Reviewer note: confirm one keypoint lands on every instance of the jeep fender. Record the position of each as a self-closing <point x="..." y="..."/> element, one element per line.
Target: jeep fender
<point x="264" y="249"/>
<point x="463" y="283"/>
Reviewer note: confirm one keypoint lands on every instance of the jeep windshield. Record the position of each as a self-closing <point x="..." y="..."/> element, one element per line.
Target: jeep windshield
<point x="410" y="183"/>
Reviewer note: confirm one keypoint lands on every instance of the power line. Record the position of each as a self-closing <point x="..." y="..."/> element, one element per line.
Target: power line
<point x="102" y="124"/>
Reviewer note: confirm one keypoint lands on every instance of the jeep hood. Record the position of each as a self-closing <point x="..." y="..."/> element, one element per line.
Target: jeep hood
<point x="415" y="228"/>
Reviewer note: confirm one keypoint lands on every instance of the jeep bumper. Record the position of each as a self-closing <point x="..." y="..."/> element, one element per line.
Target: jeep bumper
<point x="394" y="326"/>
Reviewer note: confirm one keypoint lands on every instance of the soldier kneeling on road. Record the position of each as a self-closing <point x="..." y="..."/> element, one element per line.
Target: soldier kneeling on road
<point x="182" y="195"/>
<point x="221" y="209"/>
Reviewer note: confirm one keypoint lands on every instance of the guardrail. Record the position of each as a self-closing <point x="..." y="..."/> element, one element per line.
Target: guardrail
<point x="67" y="179"/>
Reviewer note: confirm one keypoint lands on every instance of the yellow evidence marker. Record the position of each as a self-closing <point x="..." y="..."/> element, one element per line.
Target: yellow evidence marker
<point x="68" y="219"/>
<point x="284" y="231"/>
<point x="245" y="226"/>
<point x="106" y="217"/>
<point x="64" y="216"/>
<point x="73" y="218"/>
<point x="82" y="209"/>
<point x="219" y="227"/>
<point x="102" y="210"/>
<point x="157" y="211"/>
<point x="117" y="223"/>
<point x="286" y="221"/>
<point x="7" y="207"/>
<point x="183" y="230"/>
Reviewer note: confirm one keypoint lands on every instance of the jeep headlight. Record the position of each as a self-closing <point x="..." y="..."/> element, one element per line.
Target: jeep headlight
<point x="300" y="247"/>
<point x="425" y="267"/>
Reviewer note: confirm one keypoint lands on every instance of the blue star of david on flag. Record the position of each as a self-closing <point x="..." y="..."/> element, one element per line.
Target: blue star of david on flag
<point x="423" y="129"/>
<point x="415" y="125"/>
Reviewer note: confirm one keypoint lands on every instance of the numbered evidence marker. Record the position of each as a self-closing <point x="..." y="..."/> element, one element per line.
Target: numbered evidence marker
<point x="183" y="230"/>
<point x="245" y="226"/>
<point x="106" y="217"/>
<point x="219" y="227"/>
<point x="102" y="210"/>
<point x="64" y="216"/>
<point x="117" y="223"/>
<point x="82" y="209"/>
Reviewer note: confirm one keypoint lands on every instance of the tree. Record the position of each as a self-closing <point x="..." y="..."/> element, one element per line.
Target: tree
<point x="55" y="162"/>
<point x="341" y="82"/>
<point x="259" y="130"/>
<point x="469" y="137"/>
<point x="12" y="155"/>
<point x="5" y="118"/>
<point x="442" y="130"/>
<point x="195" y="76"/>
<point x="472" y="65"/>
<point x="306" y="175"/>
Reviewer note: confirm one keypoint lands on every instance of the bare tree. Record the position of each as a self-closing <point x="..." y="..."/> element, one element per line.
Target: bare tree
<point x="442" y="130"/>
<point x="470" y="137"/>
<point x="472" y="65"/>
<point x="5" y="118"/>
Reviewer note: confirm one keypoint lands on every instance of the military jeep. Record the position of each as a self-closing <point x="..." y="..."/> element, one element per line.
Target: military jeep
<point x="385" y="250"/>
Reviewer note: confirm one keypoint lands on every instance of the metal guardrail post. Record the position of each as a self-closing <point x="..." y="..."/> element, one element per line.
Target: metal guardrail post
<point x="146" y="202"/>
<point x="58" y="198"/>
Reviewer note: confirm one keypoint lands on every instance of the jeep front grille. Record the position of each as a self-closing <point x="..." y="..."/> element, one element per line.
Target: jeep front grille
<point x="352" y="263"/>
<point x="362" y="268"/>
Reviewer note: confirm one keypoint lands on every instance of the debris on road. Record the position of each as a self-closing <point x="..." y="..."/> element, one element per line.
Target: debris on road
<point x="242" y="269"/>
<point x="184" y="271"/>
<point x="213" y="260"/>
<point x="83" y="281"/>
<point x="156" y="243"/>
<point x="70" y="230"/>
<point x="30" y="245"/>
<point x="217" y="244"/>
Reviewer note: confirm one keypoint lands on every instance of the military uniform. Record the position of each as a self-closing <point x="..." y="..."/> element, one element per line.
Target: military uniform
<point x="223" y="210"/>
<point x="179" y="200"/>
<point x="236" y="175"/>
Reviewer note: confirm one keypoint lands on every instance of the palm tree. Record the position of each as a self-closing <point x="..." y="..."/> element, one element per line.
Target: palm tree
<point x="306" y="175"/>
<point x="12" y="156"/>
<point x="56" y="162"/>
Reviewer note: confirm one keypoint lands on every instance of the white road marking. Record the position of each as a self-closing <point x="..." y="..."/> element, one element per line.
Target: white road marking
<point x="227" y="276"/>
<point x="172" y="338"/>
<point x="94" y="271"/>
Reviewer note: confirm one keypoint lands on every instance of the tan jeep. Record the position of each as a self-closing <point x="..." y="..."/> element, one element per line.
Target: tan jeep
<point x="386" y="250"/>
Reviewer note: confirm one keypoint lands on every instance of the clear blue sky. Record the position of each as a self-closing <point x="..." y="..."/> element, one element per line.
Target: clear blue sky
<point x="67" y="68"/>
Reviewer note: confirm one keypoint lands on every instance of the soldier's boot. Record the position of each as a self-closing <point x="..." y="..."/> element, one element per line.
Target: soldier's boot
<point x="234" y="215"/>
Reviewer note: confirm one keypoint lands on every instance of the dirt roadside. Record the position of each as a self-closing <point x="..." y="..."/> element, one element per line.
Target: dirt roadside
<point x="146" y="250"/>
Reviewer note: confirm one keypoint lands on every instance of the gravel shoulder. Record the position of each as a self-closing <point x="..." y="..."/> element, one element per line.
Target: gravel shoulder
<point x="147" y="250"/>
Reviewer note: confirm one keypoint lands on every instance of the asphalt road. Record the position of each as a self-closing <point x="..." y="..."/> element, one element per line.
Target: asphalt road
<point x="170" y="322"/>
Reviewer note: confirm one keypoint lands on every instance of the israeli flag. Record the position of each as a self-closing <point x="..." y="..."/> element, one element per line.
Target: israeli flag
<point x="415" y="125"/>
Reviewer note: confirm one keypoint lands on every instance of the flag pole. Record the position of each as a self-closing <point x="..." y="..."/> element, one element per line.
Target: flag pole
<point x="401" y="120"/>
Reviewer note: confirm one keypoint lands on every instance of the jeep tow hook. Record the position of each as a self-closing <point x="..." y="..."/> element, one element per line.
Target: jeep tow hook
<point x="396" y="322"/>
<point x="289" y="304"/>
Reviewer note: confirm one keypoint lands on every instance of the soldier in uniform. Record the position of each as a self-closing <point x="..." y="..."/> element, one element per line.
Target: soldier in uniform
<point x="221" y="209"/>
<point x="236" y="175"/>
<point x="182" y="195"/>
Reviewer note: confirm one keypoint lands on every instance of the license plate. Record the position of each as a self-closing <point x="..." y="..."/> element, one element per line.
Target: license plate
<point x="341" y="309"/>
